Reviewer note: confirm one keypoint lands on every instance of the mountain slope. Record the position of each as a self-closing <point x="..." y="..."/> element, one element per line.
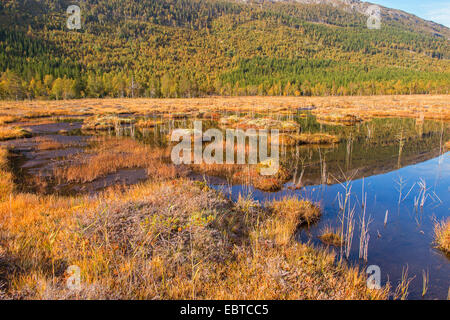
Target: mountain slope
<point x="173" y="48"/>
<point x="406" y="20"/>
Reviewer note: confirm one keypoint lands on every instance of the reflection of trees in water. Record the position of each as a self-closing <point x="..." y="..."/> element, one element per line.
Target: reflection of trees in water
<point x="372" y="147"/>
<point x="401" y="143"/>
<point x="375" y="147"/>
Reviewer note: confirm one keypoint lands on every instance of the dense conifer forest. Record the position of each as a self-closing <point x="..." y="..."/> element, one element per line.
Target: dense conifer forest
<point x="191" y="48"/>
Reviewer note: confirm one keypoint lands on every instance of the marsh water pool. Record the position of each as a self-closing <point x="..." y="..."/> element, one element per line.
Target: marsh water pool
<point x="403" y="246"/>
<point x="405" y="242"/>
<point x="397" y="169"/>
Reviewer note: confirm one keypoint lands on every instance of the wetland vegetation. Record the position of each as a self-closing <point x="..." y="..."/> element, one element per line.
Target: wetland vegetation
<point x="99" y="191"/>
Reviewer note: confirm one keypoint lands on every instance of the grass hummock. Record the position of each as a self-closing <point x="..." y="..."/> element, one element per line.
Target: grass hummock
<point x="442" y="235"/>
<point x="9" y="133"/>
<point x="251" y="175"/>
<point x="289" y="214"/>
<point x="7" y="119"/>
<point x="330" y="237"/>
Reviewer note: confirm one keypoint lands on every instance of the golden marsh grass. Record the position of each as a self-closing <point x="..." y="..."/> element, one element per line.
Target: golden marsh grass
<point x="442" y="235"/>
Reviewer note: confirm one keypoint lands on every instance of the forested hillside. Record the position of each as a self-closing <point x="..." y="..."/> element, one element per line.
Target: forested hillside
<point x="186" y="48"/>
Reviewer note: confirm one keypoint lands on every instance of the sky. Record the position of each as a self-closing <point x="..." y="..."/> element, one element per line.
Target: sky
<point x="434" y="10"/>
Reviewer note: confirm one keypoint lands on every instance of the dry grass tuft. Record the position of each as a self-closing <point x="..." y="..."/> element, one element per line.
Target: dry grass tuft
<point x="160" y="251"/>
<point x="292" y="272"/>
<point x="6" y="184"/>
<point x="166" y="171"/>
<point x="7" y="119"/>
<point x="8" y="133"/>
<point x="288" y="214"/>
<point x="250" y="175"/>
<point x="214" y="169"/>
<point x="442" y="235"/>
<point x="305" y="211"/>
<point x="331" y="237"/>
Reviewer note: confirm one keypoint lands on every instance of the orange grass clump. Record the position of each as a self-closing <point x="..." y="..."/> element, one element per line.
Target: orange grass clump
<point x="8" y="133"/>
<point x="330" y="237"/>
<point x="442" y="235"/>
<point x="250" y="175"/>
<point x="301" y="211"/>
<point x="6" y="181"/>
<point x="7" y="119"/>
